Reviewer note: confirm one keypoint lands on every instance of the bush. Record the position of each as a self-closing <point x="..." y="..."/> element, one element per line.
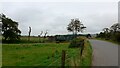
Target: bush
<point x="77" y="42"/>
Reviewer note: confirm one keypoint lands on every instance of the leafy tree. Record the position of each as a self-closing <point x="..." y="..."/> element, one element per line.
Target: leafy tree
<point x="115" y="27"/>
<point x="112" y="33"/>
<point x="106" y="30"/>
<point x="10" y="29"/>
<point x="75" y="26"/>
<point x="106" y="33"/>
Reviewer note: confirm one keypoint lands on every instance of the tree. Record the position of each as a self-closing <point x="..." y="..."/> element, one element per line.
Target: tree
<point x="115" y="32"/>
<point x="115" y="27"/>
<point x="75" y="26"/>
<point x="10" y="29"/>
<point x="45" y="34"/>
<point x="106" y="30"/>
<point x="40" y="35"/>
<point x="112" y="33"/>
<point x="106" y="33"/>
<point x="29" y="33"/>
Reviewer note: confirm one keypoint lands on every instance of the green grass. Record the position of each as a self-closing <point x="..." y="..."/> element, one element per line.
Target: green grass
<point x="31" y="54"/>
<point x="41" y="54"/>
<point x="44" y="54"/>
<point x="0" y="54"/>
<point x="87" y="54"/>
<point x="24" y="39"/>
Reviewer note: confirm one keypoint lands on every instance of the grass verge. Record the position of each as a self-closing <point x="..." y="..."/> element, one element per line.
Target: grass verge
<point x="87" y="54"/>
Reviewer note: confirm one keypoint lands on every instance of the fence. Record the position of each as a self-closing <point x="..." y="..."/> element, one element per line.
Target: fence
<point x="70" y="57"/>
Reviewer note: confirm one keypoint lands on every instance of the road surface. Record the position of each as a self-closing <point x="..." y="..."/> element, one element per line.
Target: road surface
<point x="104" y="53"/>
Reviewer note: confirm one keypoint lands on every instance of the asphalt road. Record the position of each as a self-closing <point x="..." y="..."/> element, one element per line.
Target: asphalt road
<point x="104" y="53"/>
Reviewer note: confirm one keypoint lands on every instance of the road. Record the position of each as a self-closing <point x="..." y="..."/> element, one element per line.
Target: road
<point x="104" y="53"/>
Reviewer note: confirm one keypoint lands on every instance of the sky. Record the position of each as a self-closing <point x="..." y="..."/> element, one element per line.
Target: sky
<point x="55" y="16"/>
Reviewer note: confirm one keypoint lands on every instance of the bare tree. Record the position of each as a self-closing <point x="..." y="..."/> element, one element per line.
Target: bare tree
<point x="40" y="35"/>
<point x="29" y="33"/>
<point x="45" y="34"/>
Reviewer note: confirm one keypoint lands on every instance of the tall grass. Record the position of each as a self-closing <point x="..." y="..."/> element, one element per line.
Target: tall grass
<point x="87" y="54"/>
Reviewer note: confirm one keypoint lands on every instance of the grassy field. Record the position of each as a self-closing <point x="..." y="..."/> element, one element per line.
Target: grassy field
<point x="31" y="54"/>
<point x="44" y="54"/>
<point x="24" y="39"/>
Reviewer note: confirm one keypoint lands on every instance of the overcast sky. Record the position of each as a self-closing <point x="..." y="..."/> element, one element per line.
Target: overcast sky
<point x="55" y="16"/>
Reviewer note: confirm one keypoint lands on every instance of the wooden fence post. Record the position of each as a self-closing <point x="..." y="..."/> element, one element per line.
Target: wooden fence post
<point x="82" y="47"/>
<point x="63" y="58"/>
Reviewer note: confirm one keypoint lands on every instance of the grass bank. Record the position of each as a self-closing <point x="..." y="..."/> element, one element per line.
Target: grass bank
<point x="87" y="54"/>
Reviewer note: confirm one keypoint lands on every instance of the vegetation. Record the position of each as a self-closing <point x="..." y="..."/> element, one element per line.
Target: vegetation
<point x="75" y="26"/>
<point x="33" y="39"/>
<point x="111" y="34"/>
<point x="10" y="29"/>
<point x="77" y="42"/>
<point x="86" y="50"/>
<point x="29" y="33"/>
<point x="43" y="51"/>
<point x="87" y="54"/>
<point x="44" y="54"/>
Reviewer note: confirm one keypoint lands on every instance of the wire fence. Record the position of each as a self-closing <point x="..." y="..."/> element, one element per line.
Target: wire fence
<point x="68" y="57"/>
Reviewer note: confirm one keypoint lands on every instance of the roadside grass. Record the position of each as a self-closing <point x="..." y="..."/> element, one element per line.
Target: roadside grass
<point x="0" y="55"/>
<point x="87" y="54"/>
<point x="118" y="43"/>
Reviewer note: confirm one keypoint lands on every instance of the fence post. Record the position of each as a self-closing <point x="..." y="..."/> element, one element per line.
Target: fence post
<point x="82" y="47"/>
<point x="63" y="58"/>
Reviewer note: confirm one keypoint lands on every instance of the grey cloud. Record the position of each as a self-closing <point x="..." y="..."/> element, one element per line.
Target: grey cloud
<point x="55" y="16"/>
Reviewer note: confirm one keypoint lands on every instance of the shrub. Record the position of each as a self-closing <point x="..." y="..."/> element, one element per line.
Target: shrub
<point x="77" y="42"/>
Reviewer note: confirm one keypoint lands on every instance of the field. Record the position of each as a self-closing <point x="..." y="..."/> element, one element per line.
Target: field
<point x="44" y="54"/>
<point x="34" y="39"/>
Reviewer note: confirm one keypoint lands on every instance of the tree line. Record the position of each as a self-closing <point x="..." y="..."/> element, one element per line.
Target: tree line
<point x="111" y="33"/>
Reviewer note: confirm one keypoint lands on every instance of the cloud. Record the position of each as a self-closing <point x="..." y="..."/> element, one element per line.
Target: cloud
<point x="55" y="16"/>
